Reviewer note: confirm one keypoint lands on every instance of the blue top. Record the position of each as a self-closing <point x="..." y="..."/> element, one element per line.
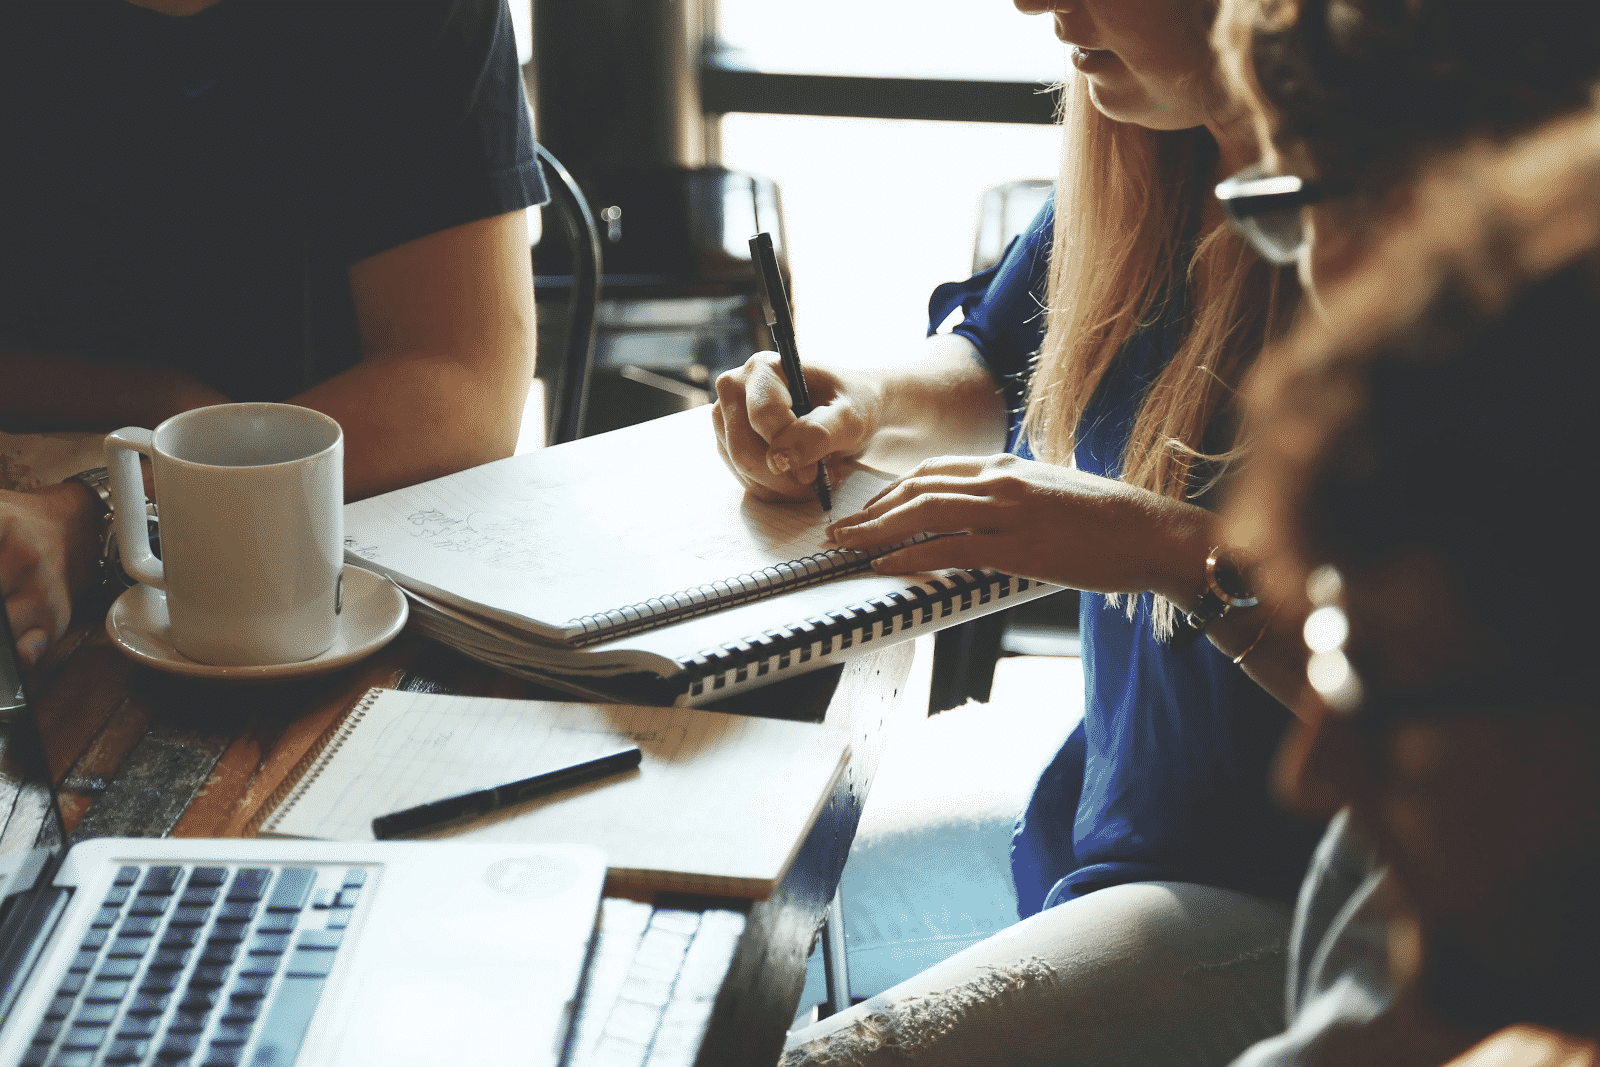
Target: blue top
<point x="1166" y="778"/>
<point x="191" y="192"/>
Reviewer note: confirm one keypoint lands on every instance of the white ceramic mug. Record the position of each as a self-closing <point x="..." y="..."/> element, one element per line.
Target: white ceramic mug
<point x="252" y="528"/>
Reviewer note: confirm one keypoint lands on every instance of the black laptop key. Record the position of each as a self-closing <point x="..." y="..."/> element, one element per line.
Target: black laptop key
<point x="107" y="992"/>
<point x="208" y="976"/>
<point x="72" y="982"/>
<point x="148" y="1003"/>
<point x="232" y="1033"/>
<point x="218" y="953"/>
<point x="190" y="916"/>
<point x="320" y="939"/>
<point x="287" y="1021"/>
<point x="208" y="876"/>
<point x="116" y="971"/>
<point x="95" y="1015"/>
<point x="160" y="881"/>
<point x="242" y="1010"/>
<point x="198" y="999"/>
<point x="339" y="918"/>
<point x="128" y="1050"/>
<point x="138" y="926"/>
<point x="126" y="876"/>
<point x="84" y="1037"/>
<point x="170" y="959"/>
<point x="74" y="1058"/>
<point x="83" y="961"/>
<point x="264" y="966"/>
<point x="106" y="916"/>
<point x="48" y="1031"/>
<point x="163" y="981"/>
<point x="58" y="1009"/>
<point x="116" y="896"/>
<point x="94" y="937"/>
<point x="249" y="884"/>
<point x="36" y="1055"/>
<point x="222" y="1056"/>
<point x="310" y="963"/>
<point x="180" y="937"/>
<point x="187" y="1022"/>
<point x="280" y="922"/>
<point x="148" y="904"/>
<point x="178" y="1047"/>
<point x="228" y="932"/>
<point x="269" y="944"/>
<point x="355" y="876"/>
<point x="202" y="896"/>
<point x="250" y="986"/>
<point x="124" y="948"/>
<point x="294" y="885"/>
<point x="137" y="1026"/>
<point x="236" y="911"/>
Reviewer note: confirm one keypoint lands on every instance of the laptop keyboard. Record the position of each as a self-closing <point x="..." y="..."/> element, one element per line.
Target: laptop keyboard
<point x="200" y="965"/>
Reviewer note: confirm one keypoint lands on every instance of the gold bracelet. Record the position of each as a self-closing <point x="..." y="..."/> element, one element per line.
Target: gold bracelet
<point x="1252" y="646"/>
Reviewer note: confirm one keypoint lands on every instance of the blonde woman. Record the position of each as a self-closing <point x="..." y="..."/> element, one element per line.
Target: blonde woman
<point x="1153" y="871"/>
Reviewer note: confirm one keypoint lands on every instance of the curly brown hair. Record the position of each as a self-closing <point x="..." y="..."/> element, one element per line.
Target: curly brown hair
<point x="1451" y="407"/>
<point x="1364" y="91"/>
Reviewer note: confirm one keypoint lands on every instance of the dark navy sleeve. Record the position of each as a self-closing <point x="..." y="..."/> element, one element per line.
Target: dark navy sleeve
<point x="1003" y="308"/>
<point x="434" y="125"/>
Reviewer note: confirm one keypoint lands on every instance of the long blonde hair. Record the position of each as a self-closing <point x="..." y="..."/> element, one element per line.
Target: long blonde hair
<point x="1128" y="209"/>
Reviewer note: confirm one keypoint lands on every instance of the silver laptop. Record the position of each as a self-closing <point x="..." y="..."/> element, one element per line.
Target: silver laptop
<point x="266" y="953"/>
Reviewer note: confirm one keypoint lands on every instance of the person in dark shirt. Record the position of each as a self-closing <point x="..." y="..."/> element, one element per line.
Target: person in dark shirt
<point x="207" y="202"/>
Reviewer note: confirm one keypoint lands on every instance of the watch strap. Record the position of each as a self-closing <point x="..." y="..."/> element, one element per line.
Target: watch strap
<point x="98" y="481"/>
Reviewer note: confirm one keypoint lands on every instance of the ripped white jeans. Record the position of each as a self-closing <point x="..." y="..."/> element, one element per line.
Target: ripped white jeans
<point x="1158" y="974"/>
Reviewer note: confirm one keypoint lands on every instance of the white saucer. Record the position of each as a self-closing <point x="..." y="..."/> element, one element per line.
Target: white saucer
<point x="374" y="611"/>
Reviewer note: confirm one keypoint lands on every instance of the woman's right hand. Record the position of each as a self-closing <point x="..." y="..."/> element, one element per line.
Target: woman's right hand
<point x="773" y="453"/>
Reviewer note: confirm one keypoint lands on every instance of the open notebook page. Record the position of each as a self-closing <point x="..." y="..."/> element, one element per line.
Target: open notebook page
<point x="719" y="803"/>
<point x="541" y="540"/>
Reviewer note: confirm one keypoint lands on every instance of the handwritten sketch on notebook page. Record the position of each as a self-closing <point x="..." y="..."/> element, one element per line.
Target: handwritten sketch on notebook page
<point x="541" y="540"/>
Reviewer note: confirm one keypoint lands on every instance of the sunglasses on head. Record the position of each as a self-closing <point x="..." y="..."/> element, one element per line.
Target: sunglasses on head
<point x="1264" y="209"/>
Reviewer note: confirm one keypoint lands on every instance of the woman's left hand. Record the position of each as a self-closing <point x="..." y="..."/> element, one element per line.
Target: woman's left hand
<point x="1035" y="520"/>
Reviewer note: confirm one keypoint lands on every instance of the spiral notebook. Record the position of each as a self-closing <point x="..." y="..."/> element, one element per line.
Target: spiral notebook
<point x="719" y="803"/>
<point x="634" y="563"/>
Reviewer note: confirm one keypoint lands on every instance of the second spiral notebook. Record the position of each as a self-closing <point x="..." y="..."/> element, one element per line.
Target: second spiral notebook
<point x="633" y="564"/>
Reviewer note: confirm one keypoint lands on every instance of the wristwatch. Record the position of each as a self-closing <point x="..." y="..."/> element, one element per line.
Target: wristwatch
<point x="111" y="579"/>
<point x="1228" y="586"/>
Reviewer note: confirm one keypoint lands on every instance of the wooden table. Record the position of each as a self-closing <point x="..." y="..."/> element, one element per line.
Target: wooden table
<point x="140" y="753"/>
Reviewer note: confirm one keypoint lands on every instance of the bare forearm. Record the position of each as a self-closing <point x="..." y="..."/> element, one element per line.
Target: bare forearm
<point x="944" y="402"/>
<point x="61" y="391"/>
<point x="1267" y="636"/>
<point x="407" y="420"/>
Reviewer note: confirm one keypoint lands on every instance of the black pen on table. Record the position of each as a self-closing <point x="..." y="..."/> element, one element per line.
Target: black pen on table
<point x="781" y="320"/>
<point x="483" y="801"/>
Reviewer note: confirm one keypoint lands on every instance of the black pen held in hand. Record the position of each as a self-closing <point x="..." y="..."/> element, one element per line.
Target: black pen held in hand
<point x="781" y="320"/>
<point x="467" y="805"/>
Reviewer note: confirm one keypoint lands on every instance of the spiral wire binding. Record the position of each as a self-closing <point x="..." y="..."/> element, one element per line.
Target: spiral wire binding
<point x="728" y="592"/>
<point x="778" y="650"/>
<point x="304" y="774"/>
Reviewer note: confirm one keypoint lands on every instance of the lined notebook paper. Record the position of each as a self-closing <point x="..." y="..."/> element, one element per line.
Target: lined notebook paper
<point x="719" y="804"/>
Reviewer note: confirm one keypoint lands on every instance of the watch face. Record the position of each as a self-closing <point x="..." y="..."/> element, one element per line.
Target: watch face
<point x="1231" y="582"/>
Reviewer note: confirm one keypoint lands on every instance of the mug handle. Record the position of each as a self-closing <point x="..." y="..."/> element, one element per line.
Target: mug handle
<point x="127" y="501"/>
